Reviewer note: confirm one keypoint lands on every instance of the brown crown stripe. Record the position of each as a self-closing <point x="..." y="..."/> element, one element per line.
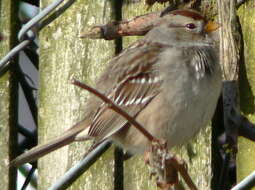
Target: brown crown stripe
<point x="188" y="13"/>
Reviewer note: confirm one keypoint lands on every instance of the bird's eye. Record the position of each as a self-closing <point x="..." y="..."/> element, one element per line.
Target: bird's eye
<point x="190" y="26"/>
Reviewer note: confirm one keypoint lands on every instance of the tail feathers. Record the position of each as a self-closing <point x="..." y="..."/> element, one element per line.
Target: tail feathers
<point x="41" y="150"/>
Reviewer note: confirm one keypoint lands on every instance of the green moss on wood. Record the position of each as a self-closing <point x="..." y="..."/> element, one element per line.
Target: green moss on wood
<point x="246" y="148"/>
<point x="63" y="55"/>
<point x="8" y="29"/>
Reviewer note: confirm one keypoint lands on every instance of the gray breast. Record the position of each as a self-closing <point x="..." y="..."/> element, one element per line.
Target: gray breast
<point x="203" y="60"/>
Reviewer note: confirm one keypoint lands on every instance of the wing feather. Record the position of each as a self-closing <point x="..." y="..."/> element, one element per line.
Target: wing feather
<point x="136" y="85"/>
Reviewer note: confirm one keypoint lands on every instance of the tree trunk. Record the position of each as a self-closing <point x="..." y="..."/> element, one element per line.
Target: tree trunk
<point x="8" y="96"/>
<point x="246" y="148"/>
<point x="63" y="55"/>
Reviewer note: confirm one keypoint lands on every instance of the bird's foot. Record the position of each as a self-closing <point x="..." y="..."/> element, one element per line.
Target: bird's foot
<point x="159" y="160"/>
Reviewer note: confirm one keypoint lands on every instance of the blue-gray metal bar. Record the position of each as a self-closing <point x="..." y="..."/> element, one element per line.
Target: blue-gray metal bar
<point x="27" y="11"/>
<point x="5" y="60"/>
<point x="71" y="175"/>
<point x="246" y="183"/>
<point x="37" y="18"/>
<point x="28" y="178"/>
<point x="26" y="31"/>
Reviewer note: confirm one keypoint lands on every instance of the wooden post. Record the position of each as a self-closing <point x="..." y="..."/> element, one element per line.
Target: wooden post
<point x="246" y="148"/>
<point x="64" y="55"/>
<point x="8" y="95"/>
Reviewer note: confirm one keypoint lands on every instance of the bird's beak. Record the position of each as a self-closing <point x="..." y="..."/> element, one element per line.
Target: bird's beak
<point x="211" y="26"/>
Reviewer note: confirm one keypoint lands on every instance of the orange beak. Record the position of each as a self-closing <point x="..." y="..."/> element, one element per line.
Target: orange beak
<point x="211" y="26"/>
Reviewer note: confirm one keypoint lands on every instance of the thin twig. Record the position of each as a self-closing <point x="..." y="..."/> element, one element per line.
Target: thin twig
<point x="179" y="165"/>
<point x="116" y="108"/>
<point x="137" y="26"/>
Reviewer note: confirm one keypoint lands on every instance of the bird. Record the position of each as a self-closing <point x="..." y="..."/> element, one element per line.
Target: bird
<point x="169" y="81"/>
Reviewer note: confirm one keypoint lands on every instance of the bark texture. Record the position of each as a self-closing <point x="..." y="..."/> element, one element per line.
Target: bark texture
<point x="64" y="55"/>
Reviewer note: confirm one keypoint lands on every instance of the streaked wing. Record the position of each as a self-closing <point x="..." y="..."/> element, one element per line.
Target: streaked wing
<point x="136" y="85"/>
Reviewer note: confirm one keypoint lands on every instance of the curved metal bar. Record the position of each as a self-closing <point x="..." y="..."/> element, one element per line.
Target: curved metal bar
<point x="71" y="175"/>
<point x="37" y="18"/>
<point x="12" y="53"/>
<point x="246" y="183"/>
<point x="26" y="31"/>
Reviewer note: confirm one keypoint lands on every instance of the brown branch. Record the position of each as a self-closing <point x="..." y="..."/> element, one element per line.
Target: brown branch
<point x="166" y="165"/>
<point x="171" y="161"/>
<point x="137" y="26"/>
<point x="180" y="166"/>
<point x="116" y="108"/>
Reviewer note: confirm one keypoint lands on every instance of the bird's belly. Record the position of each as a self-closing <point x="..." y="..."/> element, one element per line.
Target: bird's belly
<point x="192" y="112"/>
<point x="187" y="121"/>
<point x="177" y="122"/>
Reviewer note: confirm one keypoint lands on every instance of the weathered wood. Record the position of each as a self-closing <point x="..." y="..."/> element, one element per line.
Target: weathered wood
<point x="8" y="10"/>
<point x="229" y="53"/>
<point x="246" y="148"/>
<point x="64" y="55"/>
<point x="197" y="153"/>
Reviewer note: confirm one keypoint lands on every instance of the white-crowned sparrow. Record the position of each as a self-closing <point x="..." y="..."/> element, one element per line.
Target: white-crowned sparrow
<point x="169" y="81"/>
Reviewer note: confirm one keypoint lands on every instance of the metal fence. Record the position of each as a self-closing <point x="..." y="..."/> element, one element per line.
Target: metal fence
<point x="27" y="50"/>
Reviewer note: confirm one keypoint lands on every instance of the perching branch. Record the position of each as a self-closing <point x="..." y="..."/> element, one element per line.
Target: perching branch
<point x="160" y="146"/>
<point x="137" y="26"/>
<point x="180" y="166"/>
<point x="116" y="108"/>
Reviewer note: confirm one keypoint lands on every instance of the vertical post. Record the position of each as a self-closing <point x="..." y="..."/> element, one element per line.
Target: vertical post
<point x="64" y="55"/>
<point x="118" y="152"/>
<point x="8" y="95"/>
<point x="246" y="148"/>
